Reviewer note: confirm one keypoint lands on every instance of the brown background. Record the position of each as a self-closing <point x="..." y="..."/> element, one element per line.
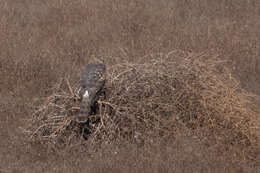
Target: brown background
<point x="42" y="41"/>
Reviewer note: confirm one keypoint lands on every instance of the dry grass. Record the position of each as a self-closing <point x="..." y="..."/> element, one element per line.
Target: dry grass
<point x="151" y="99"/>
<point x="214" y="131"/>
<point x="53" y="120"/>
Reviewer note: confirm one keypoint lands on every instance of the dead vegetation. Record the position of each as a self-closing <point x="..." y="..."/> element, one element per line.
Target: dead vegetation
<point x="153" y="99"/>
<point x="53" y="120"/>
<point x="208" y="116"/>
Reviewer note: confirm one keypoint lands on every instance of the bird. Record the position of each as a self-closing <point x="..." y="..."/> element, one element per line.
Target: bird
<point x="92" y="84"/>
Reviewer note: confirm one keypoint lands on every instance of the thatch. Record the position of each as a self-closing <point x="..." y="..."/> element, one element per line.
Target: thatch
<point x="150" y="99"/>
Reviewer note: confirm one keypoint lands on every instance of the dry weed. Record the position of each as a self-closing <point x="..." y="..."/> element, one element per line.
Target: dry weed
<point x="53" y="119"/>
<point x="150" y="99"/>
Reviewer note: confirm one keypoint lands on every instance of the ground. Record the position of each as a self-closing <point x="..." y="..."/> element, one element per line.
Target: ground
<point x="44" y="41"/>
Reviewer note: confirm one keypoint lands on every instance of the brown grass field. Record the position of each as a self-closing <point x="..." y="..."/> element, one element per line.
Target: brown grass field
<point x="182" y="85"/>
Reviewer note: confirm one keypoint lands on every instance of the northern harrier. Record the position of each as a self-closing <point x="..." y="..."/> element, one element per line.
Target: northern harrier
<point x="92" y="83"/>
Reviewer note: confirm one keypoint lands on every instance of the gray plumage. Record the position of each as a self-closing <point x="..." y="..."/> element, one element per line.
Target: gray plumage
<point x="92" y="83"/>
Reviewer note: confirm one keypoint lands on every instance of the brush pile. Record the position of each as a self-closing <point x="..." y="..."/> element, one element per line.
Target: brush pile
<point x="152" y="98"/>
<point x="53" y="120"/>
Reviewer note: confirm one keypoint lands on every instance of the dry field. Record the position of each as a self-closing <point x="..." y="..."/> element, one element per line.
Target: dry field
<point x="182" y="85"/>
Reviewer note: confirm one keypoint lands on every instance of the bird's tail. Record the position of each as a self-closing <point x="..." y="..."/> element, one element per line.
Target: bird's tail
<point x="84" y="111"/>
